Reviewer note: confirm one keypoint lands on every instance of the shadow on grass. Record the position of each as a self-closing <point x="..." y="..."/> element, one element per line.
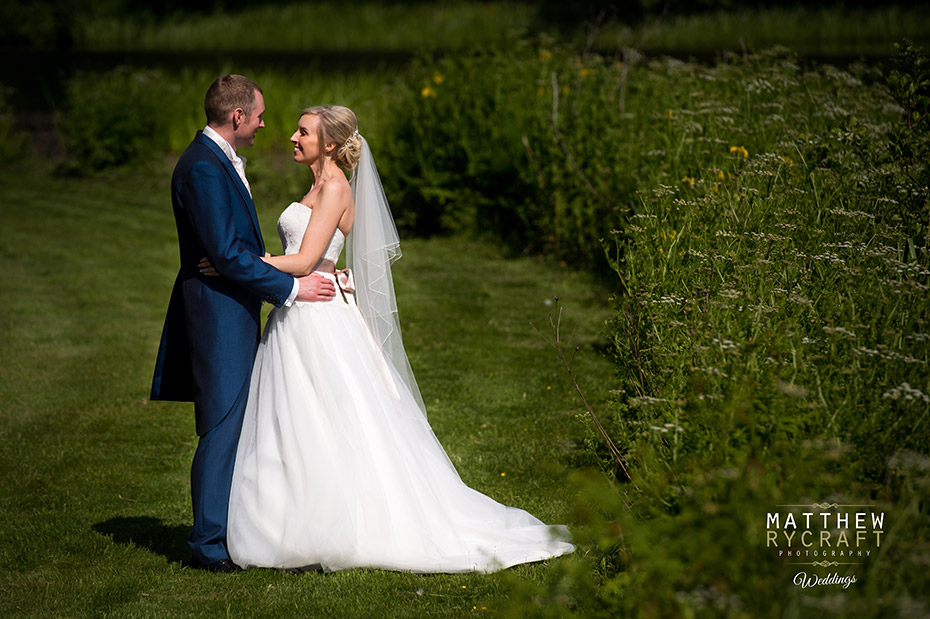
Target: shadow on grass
<point x="147" y="532"/>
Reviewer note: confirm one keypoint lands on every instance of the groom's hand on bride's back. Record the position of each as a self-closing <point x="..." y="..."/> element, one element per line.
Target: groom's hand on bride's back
<point x="315" y="287"/>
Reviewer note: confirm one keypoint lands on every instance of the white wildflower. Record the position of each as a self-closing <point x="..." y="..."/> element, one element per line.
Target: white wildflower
<point x="906" y="392"/>
<point x="840" y="330"/>
<point x="645" y="399"/>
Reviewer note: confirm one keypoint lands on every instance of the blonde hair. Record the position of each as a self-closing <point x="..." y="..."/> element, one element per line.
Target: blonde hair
<point x="226" y="94"/>
<point x="339" y="126"/>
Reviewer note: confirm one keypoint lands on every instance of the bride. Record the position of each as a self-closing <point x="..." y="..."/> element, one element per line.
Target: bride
<point x="337" y="466"/>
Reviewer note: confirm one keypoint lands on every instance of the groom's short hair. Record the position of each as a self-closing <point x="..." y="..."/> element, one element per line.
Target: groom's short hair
<point x="226" y="94"/>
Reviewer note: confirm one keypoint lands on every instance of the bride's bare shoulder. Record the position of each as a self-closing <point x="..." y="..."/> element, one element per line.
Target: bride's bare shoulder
<point x="336" y="193"/>
<point x="336" y="190"/>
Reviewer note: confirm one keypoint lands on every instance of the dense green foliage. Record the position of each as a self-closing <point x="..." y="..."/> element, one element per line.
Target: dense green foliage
<point x="771" y="345"/>
<point x="909" y="84"/>
<point x="117" y="117"/>
<point x="521" y="142"/>
<point x="121" y="115"/>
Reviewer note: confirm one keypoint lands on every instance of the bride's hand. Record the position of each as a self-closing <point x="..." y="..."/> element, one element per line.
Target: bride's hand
<point x="206" y="268"/>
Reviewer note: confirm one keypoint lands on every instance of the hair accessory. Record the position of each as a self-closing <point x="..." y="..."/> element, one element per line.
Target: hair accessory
<point x="351" y="138"/>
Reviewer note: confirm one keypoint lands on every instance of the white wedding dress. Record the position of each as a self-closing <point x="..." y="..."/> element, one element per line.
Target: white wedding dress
<point x="337" y="467"/>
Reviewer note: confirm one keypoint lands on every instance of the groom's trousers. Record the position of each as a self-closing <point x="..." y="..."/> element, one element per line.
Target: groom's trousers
<point x="211" y="478"/>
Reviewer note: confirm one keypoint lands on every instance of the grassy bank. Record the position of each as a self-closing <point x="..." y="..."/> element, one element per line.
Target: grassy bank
<point x="94" y="494"/>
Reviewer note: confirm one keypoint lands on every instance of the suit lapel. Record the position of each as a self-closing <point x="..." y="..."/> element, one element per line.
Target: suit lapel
<point x="236" y="181"/>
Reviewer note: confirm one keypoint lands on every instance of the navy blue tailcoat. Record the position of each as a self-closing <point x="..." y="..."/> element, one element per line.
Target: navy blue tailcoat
<point x="211" y="332"/>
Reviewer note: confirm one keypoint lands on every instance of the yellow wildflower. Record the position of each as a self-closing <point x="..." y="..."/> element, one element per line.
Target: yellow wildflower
<point x="673" y="234"/>
<point x="740" y="150"/>
<point x="566" y="90"/>
<point x="788" y="161"/>
<point x="438" y="78"/>
<point x="670" y="113"/>
<point x="545" y="55"/>
<point x="720" y="175"/>
<point x="690" y="180"/>
<point x="428" y="92"/>
<point x="584" y="73"/>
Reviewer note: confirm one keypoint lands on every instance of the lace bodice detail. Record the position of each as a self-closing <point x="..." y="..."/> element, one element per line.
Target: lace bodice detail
<point x="291" y="227"/>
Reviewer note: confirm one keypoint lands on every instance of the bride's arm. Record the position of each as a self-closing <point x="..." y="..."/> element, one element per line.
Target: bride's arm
<point x="332" y="203"/>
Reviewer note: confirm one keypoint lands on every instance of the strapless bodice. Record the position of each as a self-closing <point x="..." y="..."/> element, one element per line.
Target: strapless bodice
<point x="291" y="227"/>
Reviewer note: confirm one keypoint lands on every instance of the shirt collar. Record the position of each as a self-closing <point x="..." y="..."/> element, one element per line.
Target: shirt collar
<point x="224" y="145"/>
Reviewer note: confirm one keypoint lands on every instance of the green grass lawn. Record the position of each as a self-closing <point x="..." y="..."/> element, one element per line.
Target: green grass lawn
<point x="94" y="493"/>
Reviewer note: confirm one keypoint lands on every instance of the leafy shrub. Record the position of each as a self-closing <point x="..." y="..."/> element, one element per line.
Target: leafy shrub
<point x="909" y="85"/>
<point x="116" y="117"/>
<point x="524" y="142"/>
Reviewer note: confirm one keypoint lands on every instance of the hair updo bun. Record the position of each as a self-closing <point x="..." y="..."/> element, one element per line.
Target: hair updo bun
<point x="339" y="126"/>
<point x="348" y="154"/>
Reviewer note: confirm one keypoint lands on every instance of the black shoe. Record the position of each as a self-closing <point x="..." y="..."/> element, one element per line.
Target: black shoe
<point x="224" y="566"/>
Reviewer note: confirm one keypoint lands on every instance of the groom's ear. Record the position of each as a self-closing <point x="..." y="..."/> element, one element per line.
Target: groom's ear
<point x="236" y="117"/>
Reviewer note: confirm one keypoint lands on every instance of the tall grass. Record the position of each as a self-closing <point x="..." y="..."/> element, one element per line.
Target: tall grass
<point x="771" y="348"/>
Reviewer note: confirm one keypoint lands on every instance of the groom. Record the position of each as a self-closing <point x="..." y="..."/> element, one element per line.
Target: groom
<point x="212" y="328"/>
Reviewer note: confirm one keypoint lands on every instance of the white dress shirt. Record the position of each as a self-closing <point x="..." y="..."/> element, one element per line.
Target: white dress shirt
<point x="239" y="165"/>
